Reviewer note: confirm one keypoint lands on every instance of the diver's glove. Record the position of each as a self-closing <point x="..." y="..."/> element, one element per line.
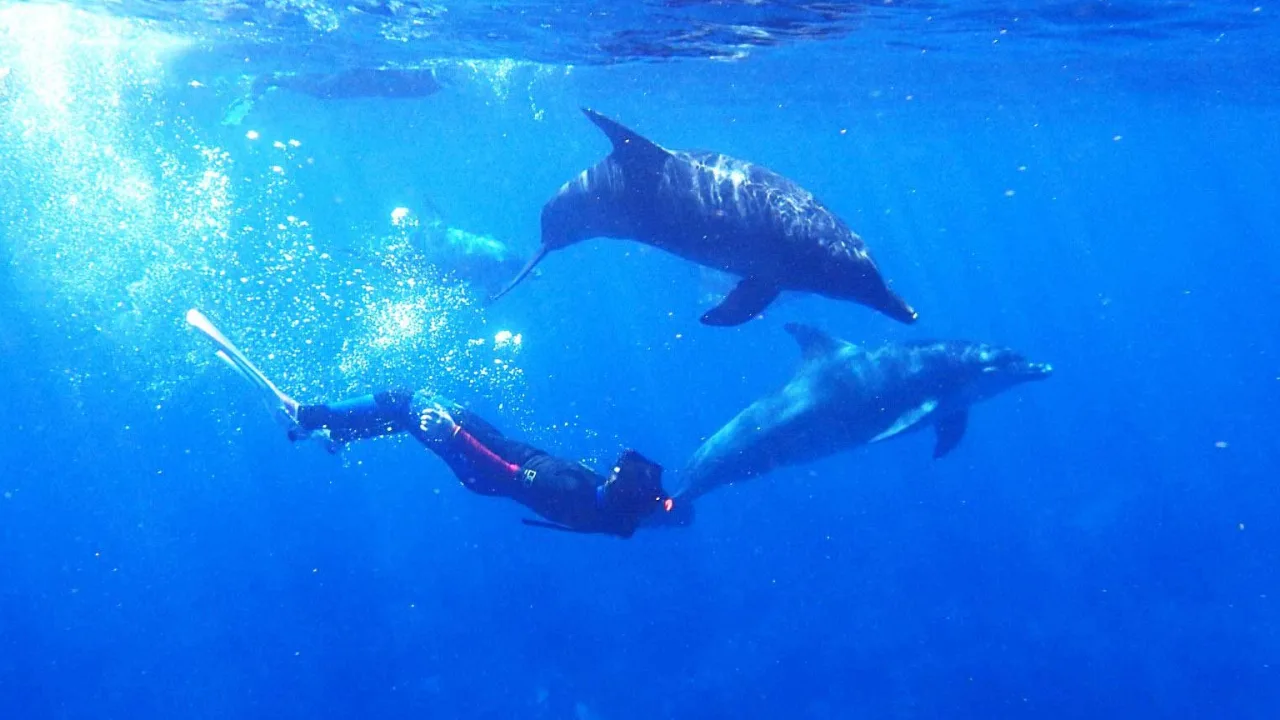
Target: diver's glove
<point x="437" y="425"/>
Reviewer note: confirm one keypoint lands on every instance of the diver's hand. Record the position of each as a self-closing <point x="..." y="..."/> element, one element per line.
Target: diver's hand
<point x="436" y="423"/>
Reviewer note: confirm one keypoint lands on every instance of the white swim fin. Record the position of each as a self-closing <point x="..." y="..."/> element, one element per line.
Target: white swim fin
<point x="231" y="355"/>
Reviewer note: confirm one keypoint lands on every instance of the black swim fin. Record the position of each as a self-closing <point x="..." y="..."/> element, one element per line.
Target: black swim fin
<point x="950" y="432"/>
<point x="747" y="300"/>
<point x="524" y="273"/>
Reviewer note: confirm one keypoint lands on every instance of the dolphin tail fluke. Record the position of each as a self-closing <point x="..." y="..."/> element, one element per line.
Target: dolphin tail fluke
<point x="625" y="141"/>
<point x="524" y="273"/>
<point x="747" y="300"/>
<point x="950" y="432"/>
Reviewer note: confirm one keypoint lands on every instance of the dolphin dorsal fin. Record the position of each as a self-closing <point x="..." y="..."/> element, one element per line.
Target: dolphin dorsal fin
<point x="625" y="141"/>
<point x="813" y="342"/>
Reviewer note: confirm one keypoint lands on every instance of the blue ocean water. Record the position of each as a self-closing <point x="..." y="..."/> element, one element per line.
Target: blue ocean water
<point x="1091" y="183"/>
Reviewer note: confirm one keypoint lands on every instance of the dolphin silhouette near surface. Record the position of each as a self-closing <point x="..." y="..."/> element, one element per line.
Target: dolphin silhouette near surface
<point x="719" y="212"/>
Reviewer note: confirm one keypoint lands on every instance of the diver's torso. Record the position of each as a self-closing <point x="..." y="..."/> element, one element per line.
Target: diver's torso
<point x="563" y="492"/>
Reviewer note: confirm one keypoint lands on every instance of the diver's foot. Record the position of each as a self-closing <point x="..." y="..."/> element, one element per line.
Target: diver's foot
<point x="287" y="416"/>
<point x="322" y="436"/>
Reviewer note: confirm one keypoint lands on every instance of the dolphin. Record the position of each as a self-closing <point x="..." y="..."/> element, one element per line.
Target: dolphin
<point x="354" y="83"/>
<point x="385" y="83"/>
<point x="481" y="260"/>
<point x="719" y="212"/>
<point x="843" y="396"/>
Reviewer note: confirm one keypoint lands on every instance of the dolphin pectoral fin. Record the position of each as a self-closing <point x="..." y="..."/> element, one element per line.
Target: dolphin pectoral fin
<point x="625" y="141"/>
<point x="908" y="420"/>
<point x="745" y="301"/>
<point x="528" y="268"/>
<point x="950" y="432"/>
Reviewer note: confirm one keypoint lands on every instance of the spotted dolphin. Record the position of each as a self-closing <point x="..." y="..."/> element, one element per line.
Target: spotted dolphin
<point x="843" y="396"/>
<point x="719" y="212"/>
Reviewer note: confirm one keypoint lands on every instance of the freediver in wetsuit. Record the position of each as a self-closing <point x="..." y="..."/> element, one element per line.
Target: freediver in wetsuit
<point x="567" y="494"/>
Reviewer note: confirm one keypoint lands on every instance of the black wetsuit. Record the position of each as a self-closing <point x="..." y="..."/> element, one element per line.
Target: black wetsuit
<point x="564" y="492"/>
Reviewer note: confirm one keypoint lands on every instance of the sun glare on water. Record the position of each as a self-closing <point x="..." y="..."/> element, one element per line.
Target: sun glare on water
<point x="119" y="215"/>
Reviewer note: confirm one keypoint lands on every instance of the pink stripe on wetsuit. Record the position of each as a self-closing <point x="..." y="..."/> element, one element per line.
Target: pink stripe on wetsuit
<point x="484" y="458"/>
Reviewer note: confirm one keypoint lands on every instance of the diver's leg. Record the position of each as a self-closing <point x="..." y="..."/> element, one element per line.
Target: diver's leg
<point x="366" y="416"/>
<point x="503" y="446"/>
<point x="427" y="405"/>
<point x="477" y="452"/>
